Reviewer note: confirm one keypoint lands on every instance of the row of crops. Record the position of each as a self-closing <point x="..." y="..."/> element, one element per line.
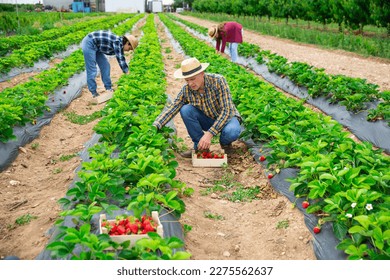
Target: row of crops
<point x="342" y="178"/>
<point x="133" y="168"/>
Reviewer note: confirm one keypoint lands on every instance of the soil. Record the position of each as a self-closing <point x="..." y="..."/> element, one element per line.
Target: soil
<point x="266" y="228"/>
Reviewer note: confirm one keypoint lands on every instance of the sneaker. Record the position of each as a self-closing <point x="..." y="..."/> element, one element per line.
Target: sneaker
<point x="95" y="94"/>
<point x="228" y="148"/>
<point x="186" y="154"/>
<point x="109" y="90"/>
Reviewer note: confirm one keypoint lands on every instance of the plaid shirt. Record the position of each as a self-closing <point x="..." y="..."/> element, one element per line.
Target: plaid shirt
<point x="216" y="103"/>
<point x="110" y="44"/>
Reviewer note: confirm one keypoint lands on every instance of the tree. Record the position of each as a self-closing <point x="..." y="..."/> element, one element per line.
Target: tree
<point x="357" y="14"/>
<point x="380" y="13"/>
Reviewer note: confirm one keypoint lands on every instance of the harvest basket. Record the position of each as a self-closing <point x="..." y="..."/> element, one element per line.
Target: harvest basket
<point x="132" y="237"/>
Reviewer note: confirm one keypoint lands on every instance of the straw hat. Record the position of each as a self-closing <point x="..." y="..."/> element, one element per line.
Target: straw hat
<point x="133" y="41"/>
<point x="189" y="68"/>
<point x="213" y="31"/>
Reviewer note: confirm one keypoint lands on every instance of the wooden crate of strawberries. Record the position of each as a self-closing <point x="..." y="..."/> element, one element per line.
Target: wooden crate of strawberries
<point x="125" y="228"/>
<point x="209" y="158"/>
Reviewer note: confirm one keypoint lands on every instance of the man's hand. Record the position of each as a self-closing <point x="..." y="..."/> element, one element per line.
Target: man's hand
<point x="205" y="141"/>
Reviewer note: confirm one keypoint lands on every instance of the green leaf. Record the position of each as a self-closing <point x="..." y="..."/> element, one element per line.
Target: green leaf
<point x="356" y="229"/>
<point x="328" y="176"/>
<point x="181" y="256"/>
<point x="363" y="220"/>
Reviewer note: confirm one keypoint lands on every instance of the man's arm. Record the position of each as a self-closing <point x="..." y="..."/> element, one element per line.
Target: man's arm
<point x="170" y="111"/>
<point x="227" y="107"/>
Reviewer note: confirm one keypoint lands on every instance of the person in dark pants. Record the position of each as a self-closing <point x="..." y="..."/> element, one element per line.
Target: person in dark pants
<point x="206" y="107"/>
<point x="227" y="32"/>
<point x="96" y="45"/>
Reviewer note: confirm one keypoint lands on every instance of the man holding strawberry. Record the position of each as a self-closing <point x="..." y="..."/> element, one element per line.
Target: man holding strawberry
<point x="206" y="107"/>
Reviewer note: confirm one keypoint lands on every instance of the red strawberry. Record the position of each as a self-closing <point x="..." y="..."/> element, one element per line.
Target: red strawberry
<point x="149" y="228"/>
<point x="121" y="230"/>
<point x="316" y="229"/>
<point x="262" y="158"/>
<point x="270" y="176"/>
<point x="64" y="92"/>
<point x="134" y="228"/>
<point x="305" y="204"/>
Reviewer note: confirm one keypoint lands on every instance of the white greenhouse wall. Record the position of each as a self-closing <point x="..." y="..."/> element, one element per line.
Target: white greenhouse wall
<point x="125" y="6"/>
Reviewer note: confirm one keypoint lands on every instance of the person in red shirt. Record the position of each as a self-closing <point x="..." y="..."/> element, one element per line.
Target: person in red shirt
<point x="227" y="32"/>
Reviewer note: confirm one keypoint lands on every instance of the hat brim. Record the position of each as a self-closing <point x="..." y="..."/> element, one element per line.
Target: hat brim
<point x="214" y="33"/>
<point x="133" y="44"/>
<point x="179" y="74"/>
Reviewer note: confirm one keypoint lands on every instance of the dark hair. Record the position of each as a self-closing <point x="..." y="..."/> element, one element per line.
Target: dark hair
<point x="124" y="40"/>
<point x="221" y="30"/>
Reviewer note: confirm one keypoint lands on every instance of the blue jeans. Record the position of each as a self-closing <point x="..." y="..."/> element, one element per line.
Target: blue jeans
<point x="233" y="51"/>
<point x="197" y="122"/>
<point x="92" y="57"/>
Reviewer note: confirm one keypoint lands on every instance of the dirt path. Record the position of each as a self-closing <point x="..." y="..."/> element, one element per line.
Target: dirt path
<point x="266" y="228"/>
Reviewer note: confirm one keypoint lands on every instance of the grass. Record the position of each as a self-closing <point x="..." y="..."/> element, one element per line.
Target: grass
<point x="67" y="157"/>
<point x="82" y="119"/>
<point x="242" y="194"/>
<point x="283" y="224"/>
<point x="25" y="219"/>
<point x="35" y="146"/>
<point x="213" y="216"/>
<point x="232" y="190"/>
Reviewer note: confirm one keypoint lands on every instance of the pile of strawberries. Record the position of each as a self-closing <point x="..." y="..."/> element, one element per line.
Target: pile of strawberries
<point x="130" y="225"/>
<point x="209" y="155"/>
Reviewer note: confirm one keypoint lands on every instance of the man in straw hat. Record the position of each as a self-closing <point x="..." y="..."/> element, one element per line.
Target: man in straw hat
<point x="227" y="32"/>
<point x="206" y="107"/>
<point x="96" y="45"/>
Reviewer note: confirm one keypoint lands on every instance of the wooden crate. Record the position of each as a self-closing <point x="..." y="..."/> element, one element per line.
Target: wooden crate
<point x="133" y="237"/>
<point x="208" y="162"/>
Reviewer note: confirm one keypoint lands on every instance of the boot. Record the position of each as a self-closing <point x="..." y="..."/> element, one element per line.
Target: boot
<point x="186" y="154"/>
<point x="228" y="148"/>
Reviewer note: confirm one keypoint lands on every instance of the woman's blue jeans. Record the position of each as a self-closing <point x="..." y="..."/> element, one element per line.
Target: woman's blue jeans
<point x="92" y="57"/>
<point x="233" y="49"/>
<point x="197" y="122"/>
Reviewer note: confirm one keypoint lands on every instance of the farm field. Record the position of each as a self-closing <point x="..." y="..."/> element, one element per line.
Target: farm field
<point x="37" y="178"/>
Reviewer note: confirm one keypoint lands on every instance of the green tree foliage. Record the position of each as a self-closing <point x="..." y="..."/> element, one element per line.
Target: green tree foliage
<point x="380" y="13"/>
<point x="357" y="13"/>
